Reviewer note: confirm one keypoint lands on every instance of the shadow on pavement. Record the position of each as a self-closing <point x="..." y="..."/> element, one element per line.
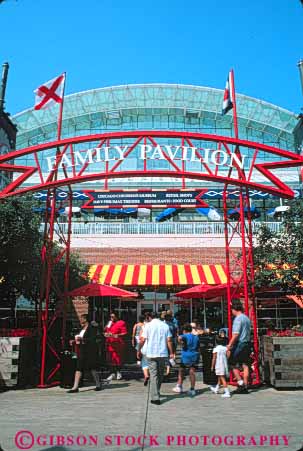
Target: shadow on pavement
<point x="166" y="397"/>
<point x="121" y="385"/>
<point x="105" y="387"/>
<point x="261" y="387"/>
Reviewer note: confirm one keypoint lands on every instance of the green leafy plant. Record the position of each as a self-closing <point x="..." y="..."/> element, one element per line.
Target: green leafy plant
<point x="20" y="253"/>
<point x="278" y="256"/>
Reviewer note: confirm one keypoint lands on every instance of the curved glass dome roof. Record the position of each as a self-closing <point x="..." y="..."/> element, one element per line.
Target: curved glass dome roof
<point x="158" y="107"/>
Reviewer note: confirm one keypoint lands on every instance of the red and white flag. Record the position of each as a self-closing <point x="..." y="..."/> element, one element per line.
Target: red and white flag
<point x="50" y="93"/>
<point x="227" y="99"/>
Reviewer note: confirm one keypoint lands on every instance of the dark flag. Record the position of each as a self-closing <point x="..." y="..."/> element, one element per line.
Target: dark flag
<point x="227" y="99"/>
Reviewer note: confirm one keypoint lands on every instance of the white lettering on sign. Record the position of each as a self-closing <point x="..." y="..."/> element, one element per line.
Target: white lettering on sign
<point x="217" y="157"/>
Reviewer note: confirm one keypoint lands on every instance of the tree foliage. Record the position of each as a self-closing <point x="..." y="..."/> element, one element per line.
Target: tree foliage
<point x="20" y="253"/>
<point x="278" y="256"/>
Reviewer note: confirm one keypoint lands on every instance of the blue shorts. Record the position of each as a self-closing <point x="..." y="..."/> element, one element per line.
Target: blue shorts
<point x="189" y="363"/>
<point x="240" y="355"/>
<point x="189" y="359"/>
<point x="144" y="362"/>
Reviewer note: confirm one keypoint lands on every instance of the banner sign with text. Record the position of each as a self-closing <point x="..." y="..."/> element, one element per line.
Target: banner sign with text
<point x="181" y="198"/>
<point x="208" y="195"/>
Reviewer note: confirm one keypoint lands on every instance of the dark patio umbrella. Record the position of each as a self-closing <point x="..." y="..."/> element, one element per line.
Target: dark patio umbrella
<point x="117" y="212"/>
<point x="167" y="214"/>
<point x="234" y="214"/>
<point x="99" y="290"/>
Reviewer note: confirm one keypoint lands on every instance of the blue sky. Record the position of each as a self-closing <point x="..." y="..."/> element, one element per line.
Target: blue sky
<point x="102" y="43"/>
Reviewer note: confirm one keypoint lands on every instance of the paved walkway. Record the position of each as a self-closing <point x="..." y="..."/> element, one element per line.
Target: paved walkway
<point x="256" y="421"/>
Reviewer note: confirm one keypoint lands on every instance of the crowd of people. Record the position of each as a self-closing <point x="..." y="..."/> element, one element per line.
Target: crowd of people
<point x="156" y="339"/>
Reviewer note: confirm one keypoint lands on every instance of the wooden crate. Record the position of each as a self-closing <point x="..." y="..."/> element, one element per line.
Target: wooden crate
<point x="17" y="361"/>
<point x="283" y="361"/>
<point x="9" y="357"/>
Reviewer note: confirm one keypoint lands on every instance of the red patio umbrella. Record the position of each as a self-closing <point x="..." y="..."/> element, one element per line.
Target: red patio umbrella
<point x="96" y="290"/>
<point x="194" y="302"/>
<point x="187" y="302"/>
<point x="204" y="292"/>
<point x="99" y="290"/>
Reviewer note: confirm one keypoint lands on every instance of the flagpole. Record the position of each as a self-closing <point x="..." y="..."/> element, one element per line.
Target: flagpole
<point x="59" y="126"/>
<point x="233" y="90"/>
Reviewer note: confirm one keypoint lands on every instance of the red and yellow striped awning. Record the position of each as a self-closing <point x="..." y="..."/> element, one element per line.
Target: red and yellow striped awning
<point x="139" y="275"/>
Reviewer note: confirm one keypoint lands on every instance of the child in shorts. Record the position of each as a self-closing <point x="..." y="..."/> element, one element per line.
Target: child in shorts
<point x="189" y="359"/>
<point x="220" y="366"/>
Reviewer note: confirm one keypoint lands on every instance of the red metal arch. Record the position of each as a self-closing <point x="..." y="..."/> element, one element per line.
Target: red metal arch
<point x="65" y="146"/>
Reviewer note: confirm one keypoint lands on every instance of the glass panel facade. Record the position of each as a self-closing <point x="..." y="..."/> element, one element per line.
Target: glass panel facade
<point x="155" y="106"/>
<point x="159" y="107"/>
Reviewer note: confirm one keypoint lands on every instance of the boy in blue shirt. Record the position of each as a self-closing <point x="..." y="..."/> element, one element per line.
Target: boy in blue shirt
<point x="189" y="359"/>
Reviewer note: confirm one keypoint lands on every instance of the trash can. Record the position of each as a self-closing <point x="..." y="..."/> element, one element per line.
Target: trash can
<point x="209" y="377"/>
<point x="207" y="343"/>
<point x="68" y="368"/>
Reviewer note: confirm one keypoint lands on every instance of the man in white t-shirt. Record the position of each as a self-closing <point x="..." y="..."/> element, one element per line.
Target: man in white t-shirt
<point x="158" y="347"/>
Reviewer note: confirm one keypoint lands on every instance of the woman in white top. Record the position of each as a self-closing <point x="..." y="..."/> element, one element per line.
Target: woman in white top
<point x="142" y="355"/>
<point x="137" y="332"/>
<point x="88" y="354"/>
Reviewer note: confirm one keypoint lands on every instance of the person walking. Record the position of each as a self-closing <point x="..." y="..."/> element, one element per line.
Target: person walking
<point x="190" y="356"/>
<point x="239" y="347"/>
<point x="87" y="355"/>
<point x="174" y="319"/>
<point x="141" y="354"/>
<point x="168" y="319"/>
<point x="159" y="346"/>
<point x="196" y="326"/>
<point x="137" y="329"/>
<point x="114" y="332"/>
<point x="220" y="366"/>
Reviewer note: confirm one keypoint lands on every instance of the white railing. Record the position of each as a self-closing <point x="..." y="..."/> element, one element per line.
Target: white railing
<point x="155" y="228"/>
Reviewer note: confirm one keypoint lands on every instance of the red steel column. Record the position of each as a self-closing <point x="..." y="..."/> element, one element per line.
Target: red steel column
<point x="50" y="352"/>
<point x="240" y="268"/>
<point x="252" y="300"/>
<point x="227" y="257"/>
<point x="67" y="266"/>
<point x="46" y="279"/>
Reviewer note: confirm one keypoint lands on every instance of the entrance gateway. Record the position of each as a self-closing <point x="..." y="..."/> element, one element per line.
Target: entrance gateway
<point x="236" y="162"/>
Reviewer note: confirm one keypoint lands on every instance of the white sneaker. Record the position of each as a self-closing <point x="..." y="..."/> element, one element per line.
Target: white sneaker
<point x="119" y="376"/>
<point x="111" y="377"/>
<point x="192" y="392"/>
<point x="225" y="395"/>
<point x="178" y="389"/>
<point x="214" y="390"/>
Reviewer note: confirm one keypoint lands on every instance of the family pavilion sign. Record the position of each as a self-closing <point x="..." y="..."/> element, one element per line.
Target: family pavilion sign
<point x="104" y="154"/>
